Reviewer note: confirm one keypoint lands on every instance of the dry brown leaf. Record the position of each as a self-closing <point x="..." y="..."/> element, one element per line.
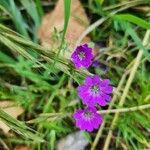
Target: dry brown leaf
<point x="10" y="108"/>
<point x="5" y="104"/>
<point x="77" y="24"/>
<point x="22" y="147"/>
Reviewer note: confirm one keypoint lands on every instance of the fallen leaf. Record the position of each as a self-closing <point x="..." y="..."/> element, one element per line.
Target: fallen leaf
<point x="22" y="147"/>
<point x="78" y="22"/>
<point x="10" y="108"/>
<point x="5" y="104"/>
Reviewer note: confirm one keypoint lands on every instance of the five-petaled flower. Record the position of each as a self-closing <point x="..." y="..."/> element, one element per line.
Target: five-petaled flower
<point x="95" y="91"/>
<point x="87" y="119"/>
<point x="82" y="56"/>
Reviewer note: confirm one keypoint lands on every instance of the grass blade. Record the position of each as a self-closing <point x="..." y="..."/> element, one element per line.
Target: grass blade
<point x="138" y="42"/>
<point x="67" y="6"/>
<point x="12" y="10"/>
<point x="133" y="19"/>
<point x="31" y="9"/>
<point x="19" y="127"/>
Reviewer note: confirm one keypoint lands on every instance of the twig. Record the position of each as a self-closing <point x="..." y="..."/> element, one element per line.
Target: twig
<point x="121" y="110"/>
<point x="120" y="4"/>
<point x="125" y="92"/>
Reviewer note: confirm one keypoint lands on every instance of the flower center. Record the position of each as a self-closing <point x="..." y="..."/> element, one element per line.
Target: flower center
<point x="88" y="114"/>
<point x="81" y="55"/>
<point x="95" y="89"/>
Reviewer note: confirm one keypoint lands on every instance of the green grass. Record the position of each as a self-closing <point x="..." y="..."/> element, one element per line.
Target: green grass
<point x="47" y="92"/>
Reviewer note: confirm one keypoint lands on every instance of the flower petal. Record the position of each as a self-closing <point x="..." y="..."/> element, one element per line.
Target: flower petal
<point x="87" y="122"/>
<point x="86" y="61"/>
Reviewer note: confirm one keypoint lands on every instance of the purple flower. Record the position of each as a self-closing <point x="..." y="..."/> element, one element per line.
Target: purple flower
<point x="87" y="119"/>
<point x="96" y="64"/>
<point x="104" y="69"/>
<point x="95" y="91"/>
<point x="82" y="56"/>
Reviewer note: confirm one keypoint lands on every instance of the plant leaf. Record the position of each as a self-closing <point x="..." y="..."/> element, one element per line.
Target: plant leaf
<point x="133" y="19"/>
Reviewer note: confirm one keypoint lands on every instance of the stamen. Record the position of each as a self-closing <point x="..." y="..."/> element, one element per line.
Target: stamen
<point x="95" y="89"/>
<point x="81" y="55"/>
<point x="88" y="114"/>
